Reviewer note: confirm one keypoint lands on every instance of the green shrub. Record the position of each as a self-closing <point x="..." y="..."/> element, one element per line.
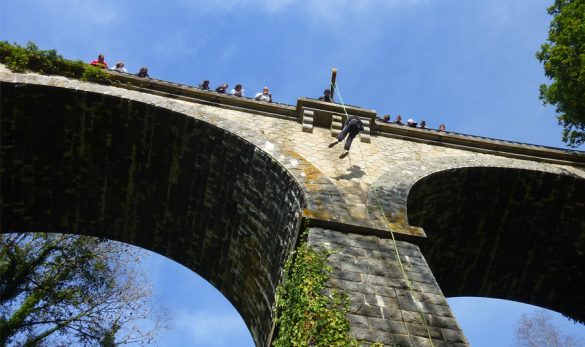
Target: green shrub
<point x="15" y="57"/>
<point x="95" y="74"/>
<point x="30" y="57"/>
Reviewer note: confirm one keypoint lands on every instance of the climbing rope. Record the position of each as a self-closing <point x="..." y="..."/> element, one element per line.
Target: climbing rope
<point x="408" y="283"/>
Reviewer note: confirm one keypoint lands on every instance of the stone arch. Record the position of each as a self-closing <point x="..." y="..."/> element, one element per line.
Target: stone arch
<point x="392" y="188"/>
<point x="79" y="162"/>
<point x="505" y="232"/>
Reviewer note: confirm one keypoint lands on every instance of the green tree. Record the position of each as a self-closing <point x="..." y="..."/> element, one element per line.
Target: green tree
<point x="563" y="57"/>
<point x="60" y="289"/>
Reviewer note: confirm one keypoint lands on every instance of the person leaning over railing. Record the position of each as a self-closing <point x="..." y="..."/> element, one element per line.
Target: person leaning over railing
<point x="119" y="67"/>
<point x="399" y="120"/>
<point x="264" y="96"/>
<point x="237" y="91"/>
<point x="100" y="62"/>
<point x="222" y="89"/>
<point x="204" y="85"/>
<point x="143" y="72"/>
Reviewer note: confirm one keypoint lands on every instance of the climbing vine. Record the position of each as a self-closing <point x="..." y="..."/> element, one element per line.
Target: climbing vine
<point x="30" y="57"/>
<point x="306" y="313"/>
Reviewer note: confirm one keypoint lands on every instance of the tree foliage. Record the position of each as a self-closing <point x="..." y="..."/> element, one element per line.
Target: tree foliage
<point x="71" y="290"/>
<point x="563" y="56"/>
<point x="537" y="330"/>
<point x="30" y="57"/>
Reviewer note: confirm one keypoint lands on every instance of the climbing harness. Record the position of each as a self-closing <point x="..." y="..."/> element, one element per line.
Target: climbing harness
<point x="408" y="283"/>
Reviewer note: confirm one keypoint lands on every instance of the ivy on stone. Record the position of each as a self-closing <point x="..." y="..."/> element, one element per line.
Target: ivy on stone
<point x="308" y="313"/>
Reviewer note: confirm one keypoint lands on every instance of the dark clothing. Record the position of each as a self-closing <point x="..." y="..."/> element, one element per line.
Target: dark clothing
<point x="352" y="127"/>
<point x="142" y="74"/>
<point x="326" y="98"/>
<point x="221" y="89"/>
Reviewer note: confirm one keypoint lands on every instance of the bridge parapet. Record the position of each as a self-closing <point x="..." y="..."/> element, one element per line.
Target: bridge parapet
<point x="320" y="115"/>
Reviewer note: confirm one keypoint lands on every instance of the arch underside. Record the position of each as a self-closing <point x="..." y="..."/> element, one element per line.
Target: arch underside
<point x="86" y="163"/>
<point x="505" y="233"/>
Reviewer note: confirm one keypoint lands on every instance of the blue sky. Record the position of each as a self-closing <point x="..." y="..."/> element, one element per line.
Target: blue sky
<point x="468" y="64"/>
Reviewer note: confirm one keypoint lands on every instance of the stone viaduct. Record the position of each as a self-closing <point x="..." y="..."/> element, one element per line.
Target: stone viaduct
<point x="222" y="184"/>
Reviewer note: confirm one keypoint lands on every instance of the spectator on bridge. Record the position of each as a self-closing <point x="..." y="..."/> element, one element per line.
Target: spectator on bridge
<point x="423" y="124"/>
<point x="264" y="96"/>
<point x="204" y="85"/>
<point x="399" y="120"/>
<point x="100" y="62"/>
<point x="352" y="126"/>
<point x="237" y="91"/>
<point x="326" y="96"/>
<point x="143" y="72"/>
<point x="411" y="123"/>
<point x="442" y="127"/>
<point x="119" y="67"/>
<point x="386" y="118"/>
<point x="222" y="89"/>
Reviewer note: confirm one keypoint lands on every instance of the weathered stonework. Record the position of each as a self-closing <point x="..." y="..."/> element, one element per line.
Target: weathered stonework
<point x="86" y="163"/>
<point x="219" y="184"/>
<point x="383" y="309"/>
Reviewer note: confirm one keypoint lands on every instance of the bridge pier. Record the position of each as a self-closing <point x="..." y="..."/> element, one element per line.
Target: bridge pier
<point x="382" y="308"/>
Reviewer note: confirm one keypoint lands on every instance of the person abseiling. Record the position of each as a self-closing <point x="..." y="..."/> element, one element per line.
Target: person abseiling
<point x="352" y="126"/>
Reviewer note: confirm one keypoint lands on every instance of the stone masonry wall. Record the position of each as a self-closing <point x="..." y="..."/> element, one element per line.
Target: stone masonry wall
<point x="93" y="164"/>
<point x="382" y="307"/>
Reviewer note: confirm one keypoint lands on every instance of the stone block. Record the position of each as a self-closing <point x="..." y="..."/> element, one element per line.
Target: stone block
<point x="444" y="322"/>
<point x="454" y="335"/>
<point x="352" y="267"/>
<point x="387" y="325"/>
<point x="364" y="310"/>
<point x="365" y="238"/>
<point x="376" y="280"/>
<point x="392" y="313"/>
<point x="422" y="331"/>
<point x="358" y="321"/>
<point x="357" y="252"/>
<point x="378" y="336"/>
<point x="418" y="341"/>
<point x="350" y="287"/>
<point x="346" y="276"/>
